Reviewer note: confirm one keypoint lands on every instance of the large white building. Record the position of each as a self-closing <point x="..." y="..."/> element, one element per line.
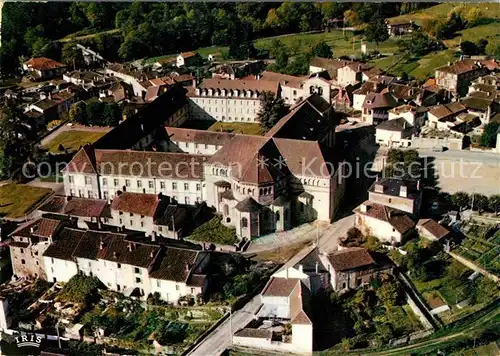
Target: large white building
<point x="127" y="265"/>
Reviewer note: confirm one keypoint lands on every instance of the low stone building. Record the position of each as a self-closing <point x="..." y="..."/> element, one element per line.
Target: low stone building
<point x="394" y="133"/>
<point x="351" y="268"/>
<point x="432" y="230"/>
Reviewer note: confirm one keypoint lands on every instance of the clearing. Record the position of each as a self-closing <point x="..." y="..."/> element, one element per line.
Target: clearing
<point x="247" y="128"/>
<point x="17" y="200"/>
<point x="72" y="140"/>
<point x="78" y="36"/>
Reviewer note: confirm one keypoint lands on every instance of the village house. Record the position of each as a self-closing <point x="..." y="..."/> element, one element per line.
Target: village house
<point x="397" y="193"/>
<point x="127" y="265"/>
<point x="359" y="95"/>
<point x="399" y="27"/>
<point x="414" y="115"/>
<point x="199" y="142"/>
<point x="285" y="301"/>
<point x="351" y="268"/>
<point x="394" y="133"/>
<point x="443" y="117"/>
<point x="87" y="213"/>
<point x="186" y="59"/>
<point x="42" y="68"/>
<point x="387" y="224"/>
<point x="456" y="77"/>
<point x="431" y="230"/>
<point x="376" y="107"/>
<point x="29" y="242"/>
<point x="484" y="108"/>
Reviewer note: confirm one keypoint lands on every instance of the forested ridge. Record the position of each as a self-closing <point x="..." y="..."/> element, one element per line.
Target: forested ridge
<point x="151" y="29"/>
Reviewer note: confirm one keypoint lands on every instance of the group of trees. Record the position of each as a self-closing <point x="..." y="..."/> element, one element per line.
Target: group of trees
<point x="479" y="202"/>
<point x="17" y="142"/>
<point x="489" y="136"/>
<point x="272" y="110"/>
<point x="96" y="113"/>
<point x="458" y="19"/>
<point x="150" y="29"/>
<point x="470" y="48"/>
<point x="403" y="163"/>
<point x="418" y="45"/>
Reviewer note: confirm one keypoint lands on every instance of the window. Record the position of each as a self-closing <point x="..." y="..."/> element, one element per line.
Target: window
<point x="390" y="200"/>
<point x="160" y="229"/>
<point x="52" y="260"/>
<point x="139" y="184"/>
<point x="119" y="265"/>
<point x="104" y="182"/>
<point x="192" y="290"/>
<point x="88" y="181"/>
<point x="115" y="182"/>
<point x="71" y="179"/>
<point x="198" y="187"/>
<point x="158" y="283"/>
<point x="174" y="186"/>
<point x="80" y="193"/>
<point x="137" y="270"/>
<point x="106" y="195"/>
<point x="127" y="182"/>
<point x="138" y="280"/>
<point x="89" y="193"/>
<point x="23" y="262"/>
<point x="142" y="223"/>
<point x="186" y="186"/>
<point x="131" y="223"/>
<point x="121" y="222"/>
<point x="22" y="250"/>
<point x="177" y="287"/>
<point x="186" y="200"/>
<point x="150" y="183"/>
<point x="162" y="185"/>
<point x="72" y="192"/>
<point x="244" y="222"/>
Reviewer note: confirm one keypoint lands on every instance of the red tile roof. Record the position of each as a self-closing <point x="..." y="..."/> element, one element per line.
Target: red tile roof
<point x="43" y="63"/>
<point x="397" y="218"/>
<point x="280" y="287"/>
<point x="136" y="203"/>
<point x="255" y="85"/>
<point x="178" y="264"/>
<point x="178" y="134"/>
<point x="74" y="206"/>
<point x="433" y="228"/>
<point x="350" y="258"/>
<point x="41" y="227"/>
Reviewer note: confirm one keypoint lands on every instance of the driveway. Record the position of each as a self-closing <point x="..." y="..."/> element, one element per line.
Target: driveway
<point x="220" y="339"/>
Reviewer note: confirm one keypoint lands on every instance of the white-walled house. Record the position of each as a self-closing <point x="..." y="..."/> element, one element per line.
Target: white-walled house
<point x="394" y="133"/>
<point x="127" y="265"/>
<point x="401" y="194"/>
<point x="415" y="116"/>
<point x="200" y="142"/>
<point x="387" y="224"/>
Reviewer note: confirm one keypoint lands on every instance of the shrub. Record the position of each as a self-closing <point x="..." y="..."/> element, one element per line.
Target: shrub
<point x="214" y="231"/>
<point x="81" y="289"/>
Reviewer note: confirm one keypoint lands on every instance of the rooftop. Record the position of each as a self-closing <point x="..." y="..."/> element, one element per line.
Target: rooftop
<point x="137" y="203"/>
<point x="43" y="63"/>
<point x="350" y="258"/>
<point x="280" y="287"/>
<point x="433" y="228"/>
<point x="398" y="124"/>
<point x="73" y="206"/>
<point x="398" y="219"/>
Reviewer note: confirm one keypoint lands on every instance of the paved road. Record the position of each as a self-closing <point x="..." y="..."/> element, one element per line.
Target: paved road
<point x="220" y="339"/>
<point x="329" y="239"/>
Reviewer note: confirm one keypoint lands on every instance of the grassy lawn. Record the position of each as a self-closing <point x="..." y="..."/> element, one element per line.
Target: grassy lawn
<point x="341" y="45"/>
<point x="281" y="254"/>
<point x="489" y="10"/>
<point x="237" y="127"/>
<point x="214" y="231"/>
<point x="73" y="140"/>
<point x="16" y="200"/>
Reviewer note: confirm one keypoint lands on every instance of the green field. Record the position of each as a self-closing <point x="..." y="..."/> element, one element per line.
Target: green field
<point x="237" y="127"/>
<point x="73" y="140"/>
<point x="17" y="200"/>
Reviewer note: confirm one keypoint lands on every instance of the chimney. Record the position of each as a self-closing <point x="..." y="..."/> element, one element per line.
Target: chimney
<point x="115" y="255"/>
<point x="403" y="191"/>
<point x="301" y="268"/>
<point x="152" y="254"/>
<point x="153" y="236"/>
<point x="187" y="267"/>
<point x="449" y="63"/>
<point x="129" y="247"/>
<point x="363" y="208"/>
<point x="317" y="267"/>
<point x="194" y="83"/>
<point x="101" y="245"/>
<point x="379" y="188"/>
<point x="418" y="185"/>
<point x="32" y="230"/>
<point x="142" y="127"/>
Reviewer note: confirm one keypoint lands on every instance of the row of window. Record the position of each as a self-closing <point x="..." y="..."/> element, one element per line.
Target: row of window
<point x="116" y="183"/>
<point x="204" y="101"/>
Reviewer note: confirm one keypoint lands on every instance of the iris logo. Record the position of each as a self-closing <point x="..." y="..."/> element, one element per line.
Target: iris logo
<point x="31" y="340"/>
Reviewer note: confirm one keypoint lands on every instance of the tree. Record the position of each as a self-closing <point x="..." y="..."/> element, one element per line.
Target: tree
<point x="376" y="31"/>
<point x="489" y="136"/>
<point x="388" y="293"/>
<point x="460" y="200"/>
<point x="78" y="113"/>
<point x="472" y="17"/>
<point x="71" y="55"/>
<point x="95" y="109"/>
<point x="469" y="48"/>
<point x="351" y="17"/>
<point x="493" y="50"/>
<point x="271" y="111"/>
<point x="322" y="49"/>
<point x="111" y="115"/>
<point x="419" y="44"/>
<point x="494" y="203"/>
<point x="347" y="344"/>
<point x="481" y="202"/>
